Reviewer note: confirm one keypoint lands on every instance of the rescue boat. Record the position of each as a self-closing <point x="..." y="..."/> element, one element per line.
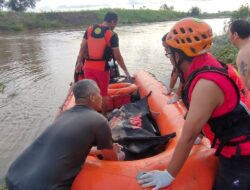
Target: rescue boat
<point x="198" y="172"/>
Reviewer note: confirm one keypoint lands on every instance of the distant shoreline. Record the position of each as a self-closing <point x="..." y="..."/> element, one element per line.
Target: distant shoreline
<point x="18" y="21"/>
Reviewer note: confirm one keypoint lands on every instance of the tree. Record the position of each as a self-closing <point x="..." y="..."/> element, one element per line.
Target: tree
<point x="195" y="11"/>
<point x="20" y="5"/>
<point x="133" y="3"/>
<point x="166" y="7"/>
<point x="242" y="13"/>
<point x="1" y="4"/>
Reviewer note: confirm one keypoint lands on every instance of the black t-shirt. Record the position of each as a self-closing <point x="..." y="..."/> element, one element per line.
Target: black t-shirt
<point x="114" y="41"/>
<point x="53" y="160"/>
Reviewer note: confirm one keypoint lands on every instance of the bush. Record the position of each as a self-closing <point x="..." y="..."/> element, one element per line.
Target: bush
<point x="242" y="13"/>
<point x="223" y="50"/>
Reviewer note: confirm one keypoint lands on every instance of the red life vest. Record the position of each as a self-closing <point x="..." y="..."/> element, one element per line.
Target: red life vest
<point x="230" y="122"/>
<point x="99" y="47"/>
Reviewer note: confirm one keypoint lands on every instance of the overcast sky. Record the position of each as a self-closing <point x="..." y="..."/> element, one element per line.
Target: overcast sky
<point x="180" y="5"/>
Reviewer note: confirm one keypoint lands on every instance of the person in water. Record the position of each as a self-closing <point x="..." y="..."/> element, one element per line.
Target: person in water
<point x="239" y="35"/>
<point x="99" y="45"/>
<point x="211" y="96"/>
<point x="54" y="159"/>
<point x="173" y="78"/>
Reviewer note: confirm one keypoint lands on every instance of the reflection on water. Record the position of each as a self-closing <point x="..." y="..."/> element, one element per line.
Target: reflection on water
<point x="37" y="68"/>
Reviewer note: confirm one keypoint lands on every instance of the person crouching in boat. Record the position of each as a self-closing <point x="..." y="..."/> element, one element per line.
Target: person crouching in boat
<point x="211" y="96"/>
<point x="173" y="77"/>
<point x="101" y="43"/>
<point x="53" y="160"/>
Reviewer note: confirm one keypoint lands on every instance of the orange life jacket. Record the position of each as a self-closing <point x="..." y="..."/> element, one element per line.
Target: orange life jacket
<point x="99" y="47"/>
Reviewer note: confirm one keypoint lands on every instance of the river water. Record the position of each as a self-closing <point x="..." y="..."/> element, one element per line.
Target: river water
<point x="36" y="69"/>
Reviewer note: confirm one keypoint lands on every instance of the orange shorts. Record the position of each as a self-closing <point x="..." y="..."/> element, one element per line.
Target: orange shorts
<point x="100" y="77"/>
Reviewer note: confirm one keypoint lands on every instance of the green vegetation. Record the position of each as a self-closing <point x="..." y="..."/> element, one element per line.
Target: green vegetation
<point x="195" y="12"/>
<point x="17" y="5"/>
<point x="128" y="16"/>
<point x="19" y="21"/>
<point x="242" y="13"/>
<point x="222" y="48"/>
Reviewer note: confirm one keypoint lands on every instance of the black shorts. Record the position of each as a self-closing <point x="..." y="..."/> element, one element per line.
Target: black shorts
<point x="233" y="174"/>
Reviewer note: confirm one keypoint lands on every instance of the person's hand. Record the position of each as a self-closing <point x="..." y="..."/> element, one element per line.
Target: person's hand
<point x="117" y="148"/>
<point x="169" y="91"/>
<point x="158" y="179"/>
<point x="197" y="140"/>
<point x="128" y="75"/>
<point x="174" y="99"/>
<point x="120" y="155"/>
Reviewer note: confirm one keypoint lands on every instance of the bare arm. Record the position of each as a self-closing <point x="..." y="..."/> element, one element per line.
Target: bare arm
<point x="179" y="89"/>
<point x="206" y="96"/>
<point x="243" y="63"/>
<point x="173" y="79"/>
<point x="81" y="54"/>
<point x="118" y="57"/>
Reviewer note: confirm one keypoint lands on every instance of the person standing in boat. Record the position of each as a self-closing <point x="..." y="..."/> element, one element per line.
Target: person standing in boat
<point x="99" y="45"/>
<point x="173" y="78"/>
<point x="211" y="96"/>
<point x="239" y="35"/>
<point x="54" y="159"/>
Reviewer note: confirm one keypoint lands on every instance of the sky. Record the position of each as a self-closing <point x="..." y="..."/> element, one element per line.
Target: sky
<point x="179" y="5"/>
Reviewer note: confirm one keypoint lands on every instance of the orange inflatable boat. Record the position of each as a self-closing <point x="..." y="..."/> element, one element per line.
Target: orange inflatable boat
<point x="197" y="173"/>
<point x="121" y="89"/>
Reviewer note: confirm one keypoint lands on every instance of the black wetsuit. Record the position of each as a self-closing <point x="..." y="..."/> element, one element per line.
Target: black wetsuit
<point x="53" y="160"/>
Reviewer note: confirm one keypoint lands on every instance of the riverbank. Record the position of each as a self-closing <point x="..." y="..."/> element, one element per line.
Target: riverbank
<point x="18" y="21"/>
<point x="223" y="50"/>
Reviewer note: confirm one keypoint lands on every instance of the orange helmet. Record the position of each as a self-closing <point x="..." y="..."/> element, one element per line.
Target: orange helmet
<point x="192" y="36"/>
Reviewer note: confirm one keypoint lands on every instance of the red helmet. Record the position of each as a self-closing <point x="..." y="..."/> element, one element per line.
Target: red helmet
<point x="192" y="36"/>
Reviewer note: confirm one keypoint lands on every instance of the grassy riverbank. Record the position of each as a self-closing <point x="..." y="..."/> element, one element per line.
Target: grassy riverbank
<point x="18" y="21"/>
<point x="223" y="50"/>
